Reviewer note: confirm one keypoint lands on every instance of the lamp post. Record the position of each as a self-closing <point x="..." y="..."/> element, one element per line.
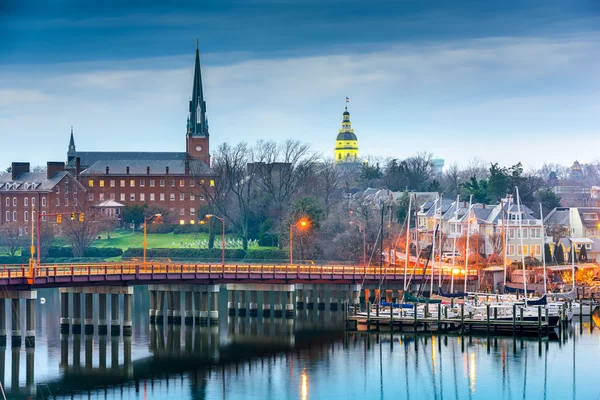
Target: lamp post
<point x="222" y="236"/>
<point x="146" y="220"/>
<point x="303" y="223"/>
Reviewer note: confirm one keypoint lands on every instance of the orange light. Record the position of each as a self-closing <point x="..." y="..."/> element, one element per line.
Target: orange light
<point x="303" y="223"/>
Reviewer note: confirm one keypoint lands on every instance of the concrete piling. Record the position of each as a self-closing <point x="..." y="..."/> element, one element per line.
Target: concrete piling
<point x="152" y="311"/>
<point x="127" y="312"/>
<point x="16" y="322"/>
<point x="266" y="306"/>
<point x="88" y="322"/>
<point x="214" y="310"/>
<point x="278" y="306"/>
<point x="102" y="322"/>
<point x="231" y="302"/>
<point x="253" y="306"/>
<point x="188" y="314"/>
<point x="176" y="307"/>
<point x="64" y="312"/>
<point x="158" y="311"/>
<point x="30" y="323"/>
<point x="289" y="305"/>
<point x="197" y="298"/>
<point x="242" y="304"/>
<point x="115" y="323"/>
<point x="204" y="309"/>
<point x="310" y="301"/>
<point x="76" y="320"/>
<point x="299" y="300"/>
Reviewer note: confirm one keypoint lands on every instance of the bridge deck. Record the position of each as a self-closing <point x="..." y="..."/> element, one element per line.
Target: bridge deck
<point x="20" y="277"/>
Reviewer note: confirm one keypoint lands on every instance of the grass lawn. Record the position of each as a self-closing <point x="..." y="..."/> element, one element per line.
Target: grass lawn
<point x="126" y="239"/>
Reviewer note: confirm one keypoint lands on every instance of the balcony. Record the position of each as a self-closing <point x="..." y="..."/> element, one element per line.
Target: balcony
<point x="525" y="222"/>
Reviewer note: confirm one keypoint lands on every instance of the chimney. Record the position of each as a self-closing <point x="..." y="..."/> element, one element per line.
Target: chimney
<point x="127" y="171"/>
<point x="52" y="167"/>
<point x="465" y="203"/>
<point x="187" y="167"/>
<point x="483" y="205"/>
<point x="107" y="170"/>
<point x="147" y="170"/>
<point x="77" y="166"/>
<point x="19" y="168"/>
<point x="167" y="170"/>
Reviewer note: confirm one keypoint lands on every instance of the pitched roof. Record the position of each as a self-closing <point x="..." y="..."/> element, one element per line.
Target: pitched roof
<point x="140" y="167"/>
<point x="558" y="216"/>
<point x="88" y="158"/>
<point x="31" y="181"/>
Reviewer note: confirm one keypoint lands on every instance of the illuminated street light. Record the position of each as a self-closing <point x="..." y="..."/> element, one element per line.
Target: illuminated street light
<point x="302" y="224"/>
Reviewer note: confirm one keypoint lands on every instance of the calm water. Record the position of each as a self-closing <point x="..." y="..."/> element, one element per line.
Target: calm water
<point x="308" y="358"/>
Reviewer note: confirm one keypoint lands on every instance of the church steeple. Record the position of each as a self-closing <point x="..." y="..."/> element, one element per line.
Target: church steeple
<point x="197" y="125"/>
<point x="72" y="152"/>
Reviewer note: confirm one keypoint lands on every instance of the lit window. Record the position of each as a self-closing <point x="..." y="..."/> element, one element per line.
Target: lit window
<point x="181" y="222"/>
<point x="212" y="182"/>
<point x="112" y="183"/>
<point x="181" y="183"/>
<point x="132" y="183"/>
<point x="101" y="183"/>
<point x="122" y="183"/>
<point x="90" y="183"/>
<point x="192" y="221"/>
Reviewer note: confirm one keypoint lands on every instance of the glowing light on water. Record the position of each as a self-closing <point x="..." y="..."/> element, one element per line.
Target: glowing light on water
<point x="304" y="386"/>
<point x="472" y="372"/>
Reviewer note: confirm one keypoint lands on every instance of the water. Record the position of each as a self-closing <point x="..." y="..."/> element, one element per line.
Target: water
<point x="308" y="358"/>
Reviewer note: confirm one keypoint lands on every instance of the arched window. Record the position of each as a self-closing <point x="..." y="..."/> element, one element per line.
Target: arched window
<point x="43" y="201"/>
<point x="33" y="201"/>
<point x="26" y="201"/>
<point x="8" y="202"/>
<point x="26" y="216"/>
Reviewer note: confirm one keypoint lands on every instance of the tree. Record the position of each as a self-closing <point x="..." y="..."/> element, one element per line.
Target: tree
<point x="559" y="254"/>
<point x="402" y="207"/>
<point x="80" y="235"/>
<point x="134" y="214"/>
<point x="12" y="239"/>
<point x="477" y="189"/>
<point x="328" y="179"/>
<point x="548" y="252"/>
<point x="583" y="254"/>
<point x="451" y="181"/>
<point x="306" y="209"/>
<point x="548" y="199"/>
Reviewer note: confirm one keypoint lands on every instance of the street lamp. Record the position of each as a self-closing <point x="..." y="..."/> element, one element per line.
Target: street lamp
<point x="364" y="232"/>
<point x="222" y="236"/>
<point x="302" y="224"/>
<point x="146" y="220"/>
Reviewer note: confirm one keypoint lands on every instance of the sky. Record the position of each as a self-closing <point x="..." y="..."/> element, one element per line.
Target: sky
<point x="503" y="81"/>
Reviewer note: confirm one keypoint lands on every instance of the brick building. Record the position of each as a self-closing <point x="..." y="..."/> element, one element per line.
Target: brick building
<point x="169" y="181"/>
<point x="24" y="193"/>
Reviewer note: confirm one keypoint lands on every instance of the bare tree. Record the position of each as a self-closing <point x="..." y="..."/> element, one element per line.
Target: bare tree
<point x="12" y="239"/>
<point x="80" y="235"/>
<point x="451" y="180"/>
<point x="328" y="179"/>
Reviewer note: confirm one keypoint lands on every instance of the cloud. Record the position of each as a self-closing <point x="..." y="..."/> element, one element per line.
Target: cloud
<point x="404" y="98"/>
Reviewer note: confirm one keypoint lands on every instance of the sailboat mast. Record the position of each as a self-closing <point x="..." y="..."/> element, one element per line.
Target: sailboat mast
<point x="543" y="247"/>
<point x="504" y="244"/>
<point x="522" y="252"/>
<point x="440" y="245"/>
<point x="456" y="205"/>
<point x="407" y="240"/>
<point x="468" y="236"/>
<point x="433" y="246"/>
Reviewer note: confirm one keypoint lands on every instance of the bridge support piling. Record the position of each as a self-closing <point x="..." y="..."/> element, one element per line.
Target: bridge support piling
<point x="30" y="371"/>
<point x="127" y="311"/>
<point x="2" y="322"/>
<point x="214" y="299"/>
<point x="88" y="346"/>
<point x="88" y="322"/>
<point x="152" y="311"/>
<point x="197" y="298"/>
<point x="204" y="310"/>
<point x="176" y="307"/>
<point x="242" y="304"/>
<point x="115" y="323"/>
<point x="188" y="313"/>
<point x="299" y="300"/>
<point x="278" y="306"/>
<point x="30" y="323"/>
<point x="253" y="303"/>
<point x="102" y="351"/>
<point x="289" y="304"/>
<point x="266" y="307"/>
<point x="170" y="305"/>
<point x="321" y="299"/>
<point x="64" y="312"/>
<point x="102" y="325"/>
<point x="310" y="301"/>
<point x="16" y="323"/>
<point x="158" y="312"/>
<point x="76" y="321"/>
<point x="16" y="368"/>
<point x="230" y="302"/>
<point x="333" y="301"/>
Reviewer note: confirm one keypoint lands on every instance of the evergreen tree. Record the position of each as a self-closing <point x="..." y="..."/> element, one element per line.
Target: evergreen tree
<point x="548" y="252"/>
<point x="583" y="255"/>
<point x="559" y="254"/>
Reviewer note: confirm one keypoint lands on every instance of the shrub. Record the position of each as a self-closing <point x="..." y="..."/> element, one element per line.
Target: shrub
<point x="186" y="254"/>
<point x="160" y="228"/>
<point x="266" y="254"/>
<point x="182" y="229"/>
<point x="97" y="252"/>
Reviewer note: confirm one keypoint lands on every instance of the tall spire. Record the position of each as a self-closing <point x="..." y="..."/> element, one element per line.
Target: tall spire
<point x="197" y="112"/>
<point x="72" y="152"/>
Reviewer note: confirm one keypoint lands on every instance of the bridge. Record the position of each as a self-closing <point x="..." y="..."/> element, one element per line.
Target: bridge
<point x="199" y="285"/>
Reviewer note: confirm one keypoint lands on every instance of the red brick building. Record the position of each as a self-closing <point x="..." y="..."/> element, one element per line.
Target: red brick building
<point x="171" y="181"/>
<point x="24" y="193"/>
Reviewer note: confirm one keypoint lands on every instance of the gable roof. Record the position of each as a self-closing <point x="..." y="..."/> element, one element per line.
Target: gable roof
<point x="88" y="158"/>
<point x="32" y="182"/>
<point x="140" y="167"/>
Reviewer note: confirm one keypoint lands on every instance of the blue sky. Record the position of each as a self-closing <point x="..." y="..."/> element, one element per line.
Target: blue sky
<point x="503" y="81"/>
